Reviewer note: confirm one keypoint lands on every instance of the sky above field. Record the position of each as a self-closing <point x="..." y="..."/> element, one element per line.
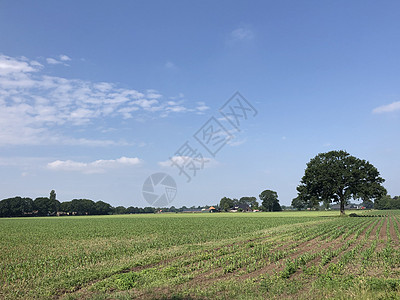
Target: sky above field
<point x="96" y="96"/>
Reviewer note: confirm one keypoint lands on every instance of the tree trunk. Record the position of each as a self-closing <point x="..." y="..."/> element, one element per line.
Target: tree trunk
<point x="342" y="202"/>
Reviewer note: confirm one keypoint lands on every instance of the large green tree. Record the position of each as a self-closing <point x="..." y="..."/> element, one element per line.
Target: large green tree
<point x="336" y="176"/>
<point x="226" y="203"/>
<point x="269" y="201"/>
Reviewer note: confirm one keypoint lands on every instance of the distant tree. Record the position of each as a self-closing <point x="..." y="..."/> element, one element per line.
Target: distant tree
<point x="102" y="208"/>
<point x="250" y="201"/>
<point x="384" y="202"/>
<point x="276" y="206"/>
<point x="326" y="204"/>
<point x="119" y="210"/>
<point x="235" y="202"/>
<point x="149" y="210"/>
<point x="46" y="206"/>
<point x="368" y="204"/>
<point x="298" y="203"/>
<point x="83" y="206"/>
<point x="53" y="195"/>
<point x="132" y="210"/>
<point x="226" y="203"/>
<point x="66" y="207"/>
<point x="396" y="202"/>
<point x="336" y="176"/>
<point x="269" y="201"/>
<point x="16" y="207"/>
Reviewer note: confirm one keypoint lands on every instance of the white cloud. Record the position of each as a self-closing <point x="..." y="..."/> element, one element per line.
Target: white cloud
<point x="9" y="65"/>
<point x="64" y="57"/>
<point x="387" y="108"/>
<point x="53" y="61"/>
<point x="153" y="94"/>
<point x="242" y="34"/>
<point x="34" y="106"/>
<point x="177" y="108"/>
<point x="62" y="60"/>
<point x="98" y="166"/>
<point x="202" y="107"/>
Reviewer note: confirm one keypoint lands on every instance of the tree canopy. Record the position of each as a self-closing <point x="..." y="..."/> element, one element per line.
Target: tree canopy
<point x="269" y="201"/>
<point x="46" y="206"/>
<point x="299" y="203"/>
<point x="336" y="176"/>
<point x="250" y="201"/>
<point x="226" y="203"/>
<point x="387" y="202"/>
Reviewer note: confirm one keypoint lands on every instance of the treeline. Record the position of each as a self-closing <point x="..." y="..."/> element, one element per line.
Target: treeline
<point x="387" y="202"/>
<point x="269" y="202"/>
<point x="50" y="206"/>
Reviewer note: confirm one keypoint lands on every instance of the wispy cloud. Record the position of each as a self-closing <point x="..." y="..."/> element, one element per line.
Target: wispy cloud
<point x="201" y="107"/>
<point x="62" y="59"/>
<point x="34" y="106"/>
<point x="242" y="33"/>
<point x="170" y="65"/>
<point x="98" y="166"/>
<point x="387" y="108"/>
<point x="53" y="61"/>
<point x="236" y="142"/>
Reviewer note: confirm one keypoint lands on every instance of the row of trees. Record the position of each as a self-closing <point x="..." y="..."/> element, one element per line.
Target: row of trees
<point x="50" y="206"/>
<point x="387" y="202"/>
<point x="226" y="204"/>
<point x="269" y="202"/>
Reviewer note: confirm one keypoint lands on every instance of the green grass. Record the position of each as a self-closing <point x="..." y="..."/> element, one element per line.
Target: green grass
<point x="307" y="254"/>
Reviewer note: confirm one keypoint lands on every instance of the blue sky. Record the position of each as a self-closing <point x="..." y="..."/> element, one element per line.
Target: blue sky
<point x="95" y="97"/>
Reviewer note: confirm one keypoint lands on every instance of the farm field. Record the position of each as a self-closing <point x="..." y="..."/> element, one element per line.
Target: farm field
<point x="292" y="255"/>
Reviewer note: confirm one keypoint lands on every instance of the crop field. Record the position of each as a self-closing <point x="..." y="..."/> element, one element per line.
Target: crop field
<point x="282" y="255"/>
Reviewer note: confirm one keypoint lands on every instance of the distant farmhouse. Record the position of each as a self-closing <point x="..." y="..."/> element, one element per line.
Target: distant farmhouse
<point x="241" y="207"/>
